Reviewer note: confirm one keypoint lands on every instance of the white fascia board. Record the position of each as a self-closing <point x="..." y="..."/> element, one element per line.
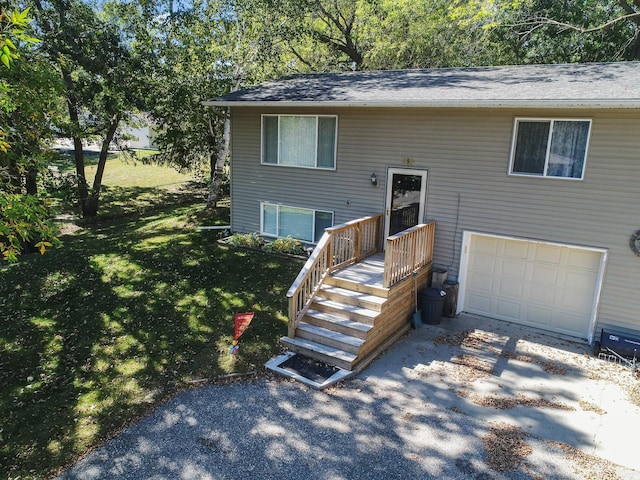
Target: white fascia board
<point x="578" y="104"/>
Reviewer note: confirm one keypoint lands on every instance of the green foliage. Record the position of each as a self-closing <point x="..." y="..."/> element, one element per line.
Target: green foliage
<point x="568" y="31"/>
<point x="13" y="29"/>
<point x="196" y="53"/>
<point x="330" y="35"/>
<point x="416" y="34"/>
<point x="23" y="223"/>
<point x="28" y="111"/>
<point x="287" y="245"/>
<point x="249" y="240"/>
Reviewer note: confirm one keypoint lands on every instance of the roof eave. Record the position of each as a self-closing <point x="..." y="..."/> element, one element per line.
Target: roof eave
<point x="506" y="103"/>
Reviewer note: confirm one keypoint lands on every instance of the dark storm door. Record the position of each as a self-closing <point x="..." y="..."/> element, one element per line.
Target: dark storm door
<point x="406" y="199"/>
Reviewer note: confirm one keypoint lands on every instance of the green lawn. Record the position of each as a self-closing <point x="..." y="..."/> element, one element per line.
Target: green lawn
<point x="130" y="185"/>
<point x="127" y="313"/>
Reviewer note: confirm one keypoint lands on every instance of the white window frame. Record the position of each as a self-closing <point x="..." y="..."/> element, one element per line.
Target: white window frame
<point x="278" y="206"/>
<point x="552" y="121"/>
<point x="278" y="164"/>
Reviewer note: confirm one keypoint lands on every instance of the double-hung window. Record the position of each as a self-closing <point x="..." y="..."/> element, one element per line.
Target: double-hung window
<point x="301" y="223"/>
<point x="299" y="140"/>
<point x="550" y="147"/>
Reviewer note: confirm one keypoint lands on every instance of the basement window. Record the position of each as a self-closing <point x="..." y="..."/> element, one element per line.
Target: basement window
<point x="301" y="223"/>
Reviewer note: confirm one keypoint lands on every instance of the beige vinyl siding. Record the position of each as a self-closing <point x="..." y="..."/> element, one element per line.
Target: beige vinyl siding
<point x="467" y="155"/>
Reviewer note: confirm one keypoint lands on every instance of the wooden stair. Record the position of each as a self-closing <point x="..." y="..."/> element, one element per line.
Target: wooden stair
<point x="338" y="323"/>
<point x="348" y="317"/>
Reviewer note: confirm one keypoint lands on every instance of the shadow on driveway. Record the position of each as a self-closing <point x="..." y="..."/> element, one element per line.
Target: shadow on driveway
<point x="439" y="404"/>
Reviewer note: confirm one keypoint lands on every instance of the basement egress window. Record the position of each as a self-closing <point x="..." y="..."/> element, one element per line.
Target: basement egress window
<point x="301" y="223"/>
<point x="550" y="148"/>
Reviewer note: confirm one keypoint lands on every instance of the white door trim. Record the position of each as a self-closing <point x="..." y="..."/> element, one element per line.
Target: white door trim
<point x="464" y="267"/>
<point x="423" y="193"/>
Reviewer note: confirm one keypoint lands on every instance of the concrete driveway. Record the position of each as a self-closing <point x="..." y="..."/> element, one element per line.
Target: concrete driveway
<point x="472" y="398"/>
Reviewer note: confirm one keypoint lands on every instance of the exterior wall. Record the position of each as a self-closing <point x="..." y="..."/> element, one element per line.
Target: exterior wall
<point x="143" y="138"/>
<point x="466" y="153"/>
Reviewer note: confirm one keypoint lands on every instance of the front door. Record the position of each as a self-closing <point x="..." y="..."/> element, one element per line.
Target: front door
<point x="406" y="198"/>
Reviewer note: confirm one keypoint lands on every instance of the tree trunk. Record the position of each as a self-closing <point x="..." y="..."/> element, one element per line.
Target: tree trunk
<point x="83" y="189"/>
<point x="90" y="205"/>
<point x="78" y="149"/>
<point x="221" y="157"/>
<point x="31" y="179"/>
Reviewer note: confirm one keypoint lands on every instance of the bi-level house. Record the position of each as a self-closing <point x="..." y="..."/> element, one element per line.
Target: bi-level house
<point x="521" y="181"/>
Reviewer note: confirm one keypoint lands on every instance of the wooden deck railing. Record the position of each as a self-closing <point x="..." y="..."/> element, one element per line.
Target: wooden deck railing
<point x="340" y="246"/>
<point x="407" y="251"/>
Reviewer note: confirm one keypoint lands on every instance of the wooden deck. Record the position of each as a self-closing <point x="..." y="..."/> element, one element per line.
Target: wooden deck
<point x="369" y="271"/>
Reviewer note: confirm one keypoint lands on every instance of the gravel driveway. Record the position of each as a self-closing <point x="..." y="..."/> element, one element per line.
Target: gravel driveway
<point x="472" y="398"/>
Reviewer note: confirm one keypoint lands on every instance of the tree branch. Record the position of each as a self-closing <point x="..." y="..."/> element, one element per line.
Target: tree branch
<point x="542" y="21"/>
<point x="299" y="57"/>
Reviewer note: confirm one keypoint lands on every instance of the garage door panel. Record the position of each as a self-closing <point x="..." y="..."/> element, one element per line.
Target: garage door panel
<point x="579" y="280"/>
<point x="515" y="249"/>
<point x="544" y="294"/>
<point x="511" y="268"/>
<point x="575" y="301"/>
<point x="483" y="263"/>
<point x="485" y="245"/>
<point x="481" y="283"/>
<point x="539" y="316"/>
<point x="547" y="254"/>
<point x="583" y="260"/>
<point x="544" y="274"/>
<point x="542" y="285"/>
<point x="567" y="322"/>
<point x="510" y="288"/>
<point x="480" y="304"/>
<point x="507" y="310"/>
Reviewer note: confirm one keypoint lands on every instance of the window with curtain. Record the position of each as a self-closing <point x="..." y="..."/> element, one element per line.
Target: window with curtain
<point x="550" y="148"/>
<point x="299" y="140"/>
<point x="301" y="223"/>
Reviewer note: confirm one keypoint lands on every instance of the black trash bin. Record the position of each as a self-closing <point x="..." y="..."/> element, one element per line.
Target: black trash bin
<point x="431" y="302"/>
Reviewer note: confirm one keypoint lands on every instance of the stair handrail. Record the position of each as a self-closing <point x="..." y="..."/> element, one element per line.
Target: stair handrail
<point x="339" y="246"/>
<point x="407" y="251"/>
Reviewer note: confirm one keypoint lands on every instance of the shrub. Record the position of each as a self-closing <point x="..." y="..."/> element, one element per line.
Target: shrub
<point x="285" y="245"/>
<point x="251" y="240"/>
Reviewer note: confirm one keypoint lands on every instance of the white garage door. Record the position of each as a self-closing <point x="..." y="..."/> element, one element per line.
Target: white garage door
<point x="538" y="284"/>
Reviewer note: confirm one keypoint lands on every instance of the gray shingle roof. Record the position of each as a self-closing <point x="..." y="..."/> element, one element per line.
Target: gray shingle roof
<point x="606" y="85"/>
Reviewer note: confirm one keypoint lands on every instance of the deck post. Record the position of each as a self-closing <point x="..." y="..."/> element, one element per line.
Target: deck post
<point x="291" y="331"/>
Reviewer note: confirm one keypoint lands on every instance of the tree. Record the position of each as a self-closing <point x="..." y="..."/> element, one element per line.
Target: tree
<point x="551" y="31"/>
<point x="199" y="52"/>
<point x="434" y="34"/>
<point x="28" y="100"/>
<point x="338" y="35"/>
<point x="102" y="80"/>
<point x="322" y="35"/>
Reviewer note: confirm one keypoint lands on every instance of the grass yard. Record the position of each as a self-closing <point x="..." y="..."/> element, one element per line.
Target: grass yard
<point x="127" y="313"/>
<point x="129" y="185"/>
